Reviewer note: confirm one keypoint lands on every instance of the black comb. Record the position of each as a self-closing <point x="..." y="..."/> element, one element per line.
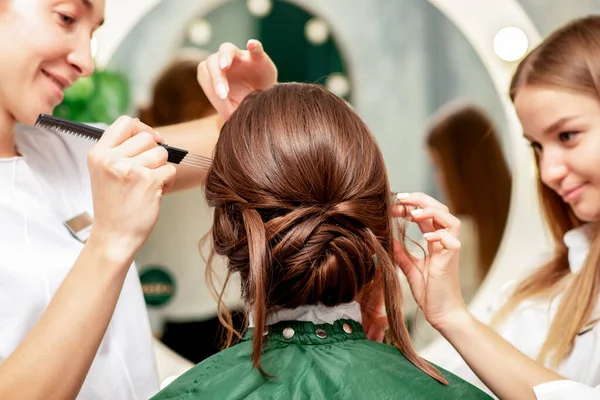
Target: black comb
<point x="176" y="156"/>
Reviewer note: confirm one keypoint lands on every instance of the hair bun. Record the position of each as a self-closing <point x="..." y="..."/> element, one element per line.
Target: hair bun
<point x="312" y="248"/>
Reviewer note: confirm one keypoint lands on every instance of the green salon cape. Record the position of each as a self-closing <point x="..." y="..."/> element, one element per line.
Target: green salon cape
<point x="315" y="362"/>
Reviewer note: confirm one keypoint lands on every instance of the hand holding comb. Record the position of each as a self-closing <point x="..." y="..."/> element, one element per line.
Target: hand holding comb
<point x="176" y="156"/>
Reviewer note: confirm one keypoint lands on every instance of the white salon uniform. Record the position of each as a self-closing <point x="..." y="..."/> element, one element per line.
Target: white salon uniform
<point x="40" y="190"/>
<point x="566" y="390"/>
<point x="527" y="327"/>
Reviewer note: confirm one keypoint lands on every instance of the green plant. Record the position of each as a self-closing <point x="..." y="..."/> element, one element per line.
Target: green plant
<point x="101" y="97"/>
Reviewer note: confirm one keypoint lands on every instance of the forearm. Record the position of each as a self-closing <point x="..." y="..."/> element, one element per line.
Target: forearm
<point x="198" y="137"/>
<point x="54" y="358"/>
<point x="505" y="370"/>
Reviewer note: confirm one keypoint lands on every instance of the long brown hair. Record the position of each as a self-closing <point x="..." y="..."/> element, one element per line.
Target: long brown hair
<point x="301" y="205"/>
<point x="476" y="174"/>
<point x="176" y="95"/>
<point x="568" y="59"/>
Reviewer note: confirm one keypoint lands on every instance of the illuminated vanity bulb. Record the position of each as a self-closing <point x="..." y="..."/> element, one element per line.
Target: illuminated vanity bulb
<point x="338" y="83"/>
<point x="316" y="31"/>
<point x="200" y="32"/>
<point x="510" y="43"/>
<point x="259" y="8"/>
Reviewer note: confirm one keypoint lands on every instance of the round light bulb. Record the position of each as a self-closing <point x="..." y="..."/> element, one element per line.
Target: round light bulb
<point x="200" y="32"/>
<point x="316" y="31"/>
<point x="338" y="83"/>
<point x="259" y="8"/>
<point x="510" y="44"/>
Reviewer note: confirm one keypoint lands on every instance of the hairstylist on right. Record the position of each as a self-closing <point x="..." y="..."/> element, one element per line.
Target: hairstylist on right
<point x="552" y="316"/>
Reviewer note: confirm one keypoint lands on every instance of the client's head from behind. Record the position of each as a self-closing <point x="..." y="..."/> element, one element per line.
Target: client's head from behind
<point x="302" y="204"/>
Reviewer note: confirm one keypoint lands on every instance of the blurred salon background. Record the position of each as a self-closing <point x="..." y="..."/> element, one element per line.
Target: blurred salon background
<point x="433" y="103"/>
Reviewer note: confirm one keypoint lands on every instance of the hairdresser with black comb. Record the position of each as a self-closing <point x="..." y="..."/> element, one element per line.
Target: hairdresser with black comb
<point x="73" y="321"/>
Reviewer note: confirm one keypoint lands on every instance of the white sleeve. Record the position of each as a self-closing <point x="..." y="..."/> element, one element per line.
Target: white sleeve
<point x="81" y="146"/>
<point x="566" y="390"/>
<point x="78" y="149"/>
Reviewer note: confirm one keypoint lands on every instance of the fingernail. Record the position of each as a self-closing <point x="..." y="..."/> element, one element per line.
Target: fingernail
<point x="427" y="235"/>
<point x="223" y="63"/>
<point x="401" y="196"/>
<point x="251" y="42"/>
<point x="162" y="140"/>
<point x="221" y="90"/>
<point x="417" y="211"/>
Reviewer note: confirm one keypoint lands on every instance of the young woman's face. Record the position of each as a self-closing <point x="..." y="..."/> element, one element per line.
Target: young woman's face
<point x="563" y="127"/>
<point x="45" y="47"/>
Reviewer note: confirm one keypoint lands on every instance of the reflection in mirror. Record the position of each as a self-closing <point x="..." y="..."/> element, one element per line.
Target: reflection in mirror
<point x="176" y="96"/>
<point x="303" y="48"/>
<point x="403" y="63"/>
<point x="462" y="147"/>
<point x="301" y="45"/>
<point x="473" y="176"/>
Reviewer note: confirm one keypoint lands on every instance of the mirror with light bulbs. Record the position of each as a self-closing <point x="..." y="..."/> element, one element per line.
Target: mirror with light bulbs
<point x="404" y="65"/>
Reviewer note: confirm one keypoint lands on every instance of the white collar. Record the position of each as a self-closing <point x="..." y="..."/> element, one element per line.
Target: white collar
<point x="317" y="314"/>
<point x="578" y="241"/>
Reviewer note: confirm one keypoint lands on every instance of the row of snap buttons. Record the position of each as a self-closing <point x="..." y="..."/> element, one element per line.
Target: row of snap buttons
<point x="289" y="333"/>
